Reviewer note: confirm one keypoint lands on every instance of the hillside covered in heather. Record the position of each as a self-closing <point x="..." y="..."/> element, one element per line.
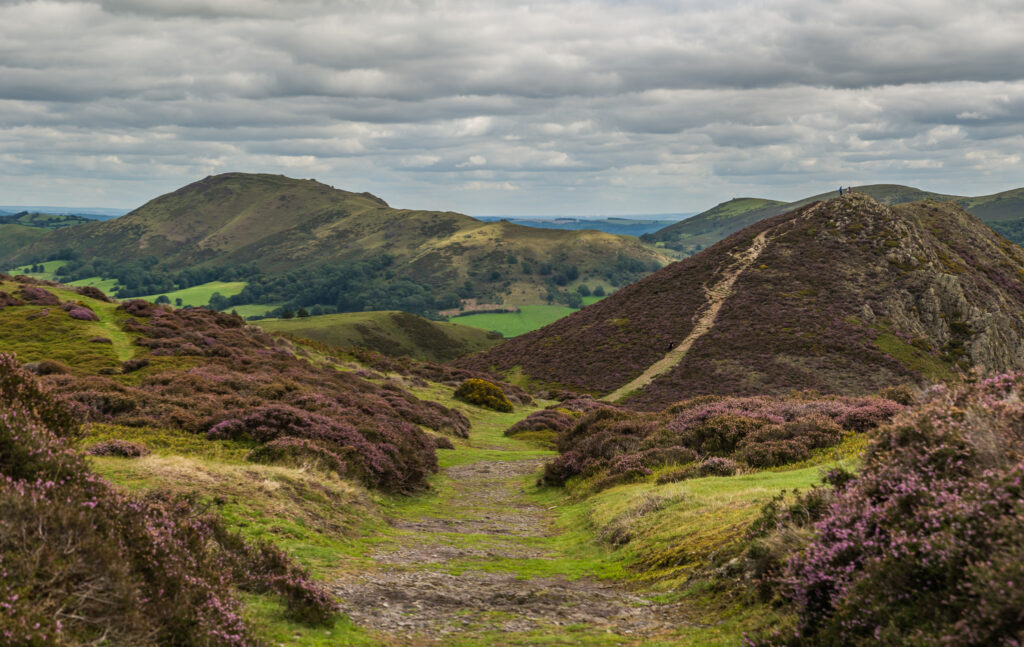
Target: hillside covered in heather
<point x="844" y="296"/>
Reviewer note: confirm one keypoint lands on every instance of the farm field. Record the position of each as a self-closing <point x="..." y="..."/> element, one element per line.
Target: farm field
<point x="529" y="318"/>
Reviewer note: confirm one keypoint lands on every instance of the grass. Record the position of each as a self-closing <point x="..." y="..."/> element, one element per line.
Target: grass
<point x="199" y="295"/>
<point x="511" y="324"/>
<point x="334" y="527"/>
<point x="49" y="272"/>
<point x="388" y="332"/>
<point x="57" y="336"/>
<point x="107" y="285"/>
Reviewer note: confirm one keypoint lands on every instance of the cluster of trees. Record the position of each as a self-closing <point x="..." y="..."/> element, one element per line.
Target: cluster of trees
<point x="142" y="276"/>
<point x="345" y="287"/>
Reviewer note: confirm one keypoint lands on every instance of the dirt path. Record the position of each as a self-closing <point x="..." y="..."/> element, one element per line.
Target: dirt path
<point x="460" y="574"/>
<point x="716" y="296"/>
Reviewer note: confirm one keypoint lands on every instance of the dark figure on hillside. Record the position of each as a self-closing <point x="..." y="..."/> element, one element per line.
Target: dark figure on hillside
<point x="670" y="346"/>
<point x="840" y="191"/>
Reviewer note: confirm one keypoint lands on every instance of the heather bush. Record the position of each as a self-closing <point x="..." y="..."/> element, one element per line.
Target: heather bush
<point x="93" y="293"/>
<point x="117" y="447"/>
<point x="132" y="365"/>
<point x="761" y="431"/>
<point x="37" y="296"/>
<point x="923" y="545"/>
<point x="441" y="442"/>
<point x="298" y="452"/>
<point x="82" y="563"/>
<point x="717" y="466"/>
<point x="484" y="394"/>
<point x="544" y="420"/>
<point x="83" y="314"/>
<point x="252" y="388"/>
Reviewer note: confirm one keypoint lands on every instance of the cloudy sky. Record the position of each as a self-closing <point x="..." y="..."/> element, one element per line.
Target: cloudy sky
<point x="506" y="107"/>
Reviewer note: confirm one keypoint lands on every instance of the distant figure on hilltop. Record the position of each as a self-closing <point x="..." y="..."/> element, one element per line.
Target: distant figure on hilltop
<point x="840" y="190"/>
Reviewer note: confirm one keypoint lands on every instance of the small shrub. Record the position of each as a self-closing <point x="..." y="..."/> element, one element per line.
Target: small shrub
<point x="132" y="365"/>
<point x="83" y="314"/>
<point x="442" y="442"/>
<point x="38" y="296"/>
<point x="117" y="447"/>
<point x="100" y="340"/>
<point x="483" y="393"/>
<point x="717" y="466"/>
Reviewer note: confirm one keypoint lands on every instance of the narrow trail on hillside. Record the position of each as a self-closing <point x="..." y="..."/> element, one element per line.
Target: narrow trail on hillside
<point x="716" y="295"/>
<point x="461" y="573"/>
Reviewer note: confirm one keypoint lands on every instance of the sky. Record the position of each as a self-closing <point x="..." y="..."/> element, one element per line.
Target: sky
<point x="499" y="107"/>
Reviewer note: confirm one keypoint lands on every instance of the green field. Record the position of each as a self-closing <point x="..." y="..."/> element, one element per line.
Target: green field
<point x="199" y="295"/>
<point x="49" y="274"/>
<point x="511" y="324"/>
<point x="107" y="285"/>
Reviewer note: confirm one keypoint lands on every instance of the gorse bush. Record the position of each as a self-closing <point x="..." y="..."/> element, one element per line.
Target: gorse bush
<point x="81" y="563"/>
<point x="923" y="546"/>
<point x="484" y="394"/>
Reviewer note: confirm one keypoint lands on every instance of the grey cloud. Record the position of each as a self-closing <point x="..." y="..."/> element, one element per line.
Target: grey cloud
<point x="578" y="105"/>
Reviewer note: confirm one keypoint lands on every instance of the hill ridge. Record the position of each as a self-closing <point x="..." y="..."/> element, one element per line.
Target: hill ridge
<point x="848" y="297"/>
<point x="716" y="296"/>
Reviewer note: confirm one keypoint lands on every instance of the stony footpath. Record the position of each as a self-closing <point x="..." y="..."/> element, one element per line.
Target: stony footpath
<point x="476" y="566"/>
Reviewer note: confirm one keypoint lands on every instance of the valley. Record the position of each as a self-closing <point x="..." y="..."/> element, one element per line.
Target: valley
<point x="673" y="463"/>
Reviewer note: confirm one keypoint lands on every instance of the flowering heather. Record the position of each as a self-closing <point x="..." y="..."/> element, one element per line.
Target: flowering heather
<point x="83" y="314"/>
<point x="923" y="546"/>
<point x="760" y="431"/>
<point x="37" y="296"/>
<point x="81" y="563"/>
<point x="848" y="296"/>
<point x="253" y="387"/>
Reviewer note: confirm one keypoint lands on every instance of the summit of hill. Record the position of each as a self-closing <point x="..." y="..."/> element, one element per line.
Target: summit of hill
<point x="848" y="295"/>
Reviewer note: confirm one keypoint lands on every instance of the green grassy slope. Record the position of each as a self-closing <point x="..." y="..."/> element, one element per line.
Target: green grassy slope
<point x="15" y="237"/>
<point x="512" y="324"/>
<point x="389" y="332"/>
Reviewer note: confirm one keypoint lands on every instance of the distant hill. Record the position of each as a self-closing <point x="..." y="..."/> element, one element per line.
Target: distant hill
<point x="43" y="220"/>
<point x="391" y="333"/>
<point x="622" y="226"/>
<point x="278" y="224"/>
<point x="705" y="229"/>
<point x="15" y="237"/>
<point x="92" y="213"/>
<point x="845" y="296"/>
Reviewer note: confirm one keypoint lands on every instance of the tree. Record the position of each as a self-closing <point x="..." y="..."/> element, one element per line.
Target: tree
<point x="178" y="302"/>
<point x="287" y="313"/>
<point x="599" y="291"/>
<point x="163" y="298"/>
<point x="218" y="301"/>
<point x="583" y="289"/>
<point x="303" y="312"/>
<point x="574" y="300"/>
